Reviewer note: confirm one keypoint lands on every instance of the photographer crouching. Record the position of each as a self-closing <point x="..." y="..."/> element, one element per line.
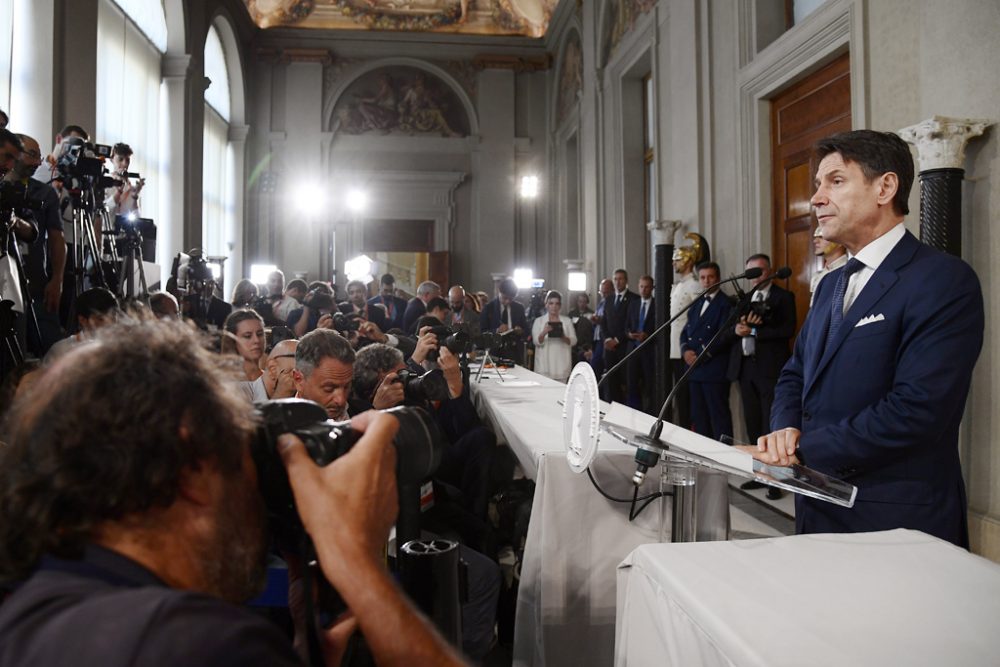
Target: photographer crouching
<point x="130" y="519"/>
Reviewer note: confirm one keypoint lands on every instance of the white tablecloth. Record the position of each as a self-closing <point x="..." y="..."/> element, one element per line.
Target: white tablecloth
<point x="576" y="538"/>
<point x="898" y="597"/>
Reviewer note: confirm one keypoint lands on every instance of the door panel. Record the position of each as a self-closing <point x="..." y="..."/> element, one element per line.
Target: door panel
<point x="807" y="111"/>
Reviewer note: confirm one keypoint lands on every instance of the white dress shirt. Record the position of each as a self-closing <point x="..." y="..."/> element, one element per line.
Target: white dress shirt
<point x="872" y="256"/>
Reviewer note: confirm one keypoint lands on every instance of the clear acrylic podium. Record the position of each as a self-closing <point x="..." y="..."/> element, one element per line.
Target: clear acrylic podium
<point x="682" y="453"/>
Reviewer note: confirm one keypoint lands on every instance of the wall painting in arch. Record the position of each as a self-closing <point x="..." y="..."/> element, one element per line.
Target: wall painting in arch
<point x="400" y="100"/>
<point x="620" y="19"/>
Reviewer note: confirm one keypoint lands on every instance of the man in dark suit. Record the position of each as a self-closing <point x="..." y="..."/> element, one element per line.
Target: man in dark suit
<point x="708" y="383"/>
<point x="615" y="331"/>
<point x="876" y="387"/>
<point x="641" y="374"/>
<point x="461" y="316"/>
<point x="394" y="306"/>
<point x="503" y="314"/>
<point x="595" y="356"/>
<point x="417" y="307"/>
<point x="762" y="346"/>
<point x="357" y="305"/>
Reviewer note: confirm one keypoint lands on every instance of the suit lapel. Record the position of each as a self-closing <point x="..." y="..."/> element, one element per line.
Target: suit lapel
<point x="877" y="287"/>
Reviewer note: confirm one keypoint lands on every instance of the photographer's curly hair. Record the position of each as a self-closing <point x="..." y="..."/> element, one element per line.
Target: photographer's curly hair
<point x="106" y="433"/>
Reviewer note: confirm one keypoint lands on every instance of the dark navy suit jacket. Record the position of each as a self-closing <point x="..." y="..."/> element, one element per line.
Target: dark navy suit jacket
<point x="881" y="408"/>
<point x="699" y="331"/>
<point x="490" y="320"/>
<point x="398" y="309"/>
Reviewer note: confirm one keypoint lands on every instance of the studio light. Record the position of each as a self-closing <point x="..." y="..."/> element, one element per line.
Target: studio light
<point x="310" y="198"/>
<point x="259" y="273"/>
<point x="357" y="200"/>
<point x="577" y="281"/>
<point x="216" y="269"/>
<point x="359" y="268"/>
<point x="529" y="186"/>
<point x="523" y="278"/>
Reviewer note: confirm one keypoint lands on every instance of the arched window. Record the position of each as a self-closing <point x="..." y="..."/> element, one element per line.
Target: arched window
<point x="219" y="226"/>
<point x="131" y="38"/>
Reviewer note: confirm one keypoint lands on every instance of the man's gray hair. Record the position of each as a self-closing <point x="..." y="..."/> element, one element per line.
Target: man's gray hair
<point x="318" y="345"/>
<point x="428" y="287"/>
<point x="373" y="360"/>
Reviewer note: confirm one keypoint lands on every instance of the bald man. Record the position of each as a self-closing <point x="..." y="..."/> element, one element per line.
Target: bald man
<point x="277" y="376"/>
<point x="461" y="316"/>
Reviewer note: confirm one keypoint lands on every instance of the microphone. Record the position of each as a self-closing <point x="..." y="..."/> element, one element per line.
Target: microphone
<point x="749" y="274"/>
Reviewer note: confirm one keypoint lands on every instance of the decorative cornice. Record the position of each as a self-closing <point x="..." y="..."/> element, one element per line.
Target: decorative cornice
<point x="175" y="67"/>
<point x="515" y="63"/>
<point x="295" y="55"/>
<point x="940" y="141"/>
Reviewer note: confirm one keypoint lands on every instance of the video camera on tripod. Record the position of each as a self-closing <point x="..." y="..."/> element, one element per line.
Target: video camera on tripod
<point x="80" y="165"/>
<point x="195" y="284"/>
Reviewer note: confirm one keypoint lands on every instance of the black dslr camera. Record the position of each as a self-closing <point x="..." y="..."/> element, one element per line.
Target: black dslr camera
<point x="761" y="309"/>
<point x="418" y="444"/>
<point x="457" y="342"/>
<point x="346" y="323"/>
<point x="420" y="389"/>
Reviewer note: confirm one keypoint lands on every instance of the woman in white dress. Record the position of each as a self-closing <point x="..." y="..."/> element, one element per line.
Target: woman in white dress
<point x="553" y="350"/>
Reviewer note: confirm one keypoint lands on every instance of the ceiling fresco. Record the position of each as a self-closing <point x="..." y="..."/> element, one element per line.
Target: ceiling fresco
<point x="529" y="18"/>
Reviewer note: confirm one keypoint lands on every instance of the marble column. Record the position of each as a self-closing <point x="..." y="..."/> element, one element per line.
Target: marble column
<point x="940" y="144"/>
<point x="176" y="70"/>
<point x="236" y="235"/>
<point x="662" y="236"/>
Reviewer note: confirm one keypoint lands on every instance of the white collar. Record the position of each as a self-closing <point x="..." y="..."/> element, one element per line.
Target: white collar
<point x="622" y="293"/>
<point x="646" y="301"/>
<point x="873" y="254"/>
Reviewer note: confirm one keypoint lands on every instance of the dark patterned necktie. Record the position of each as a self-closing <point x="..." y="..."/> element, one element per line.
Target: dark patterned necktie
<point x="837" y="313"/>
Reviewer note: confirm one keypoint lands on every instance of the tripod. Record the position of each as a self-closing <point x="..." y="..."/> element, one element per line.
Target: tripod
<point x="132" y="259"/>
<point x="85" y="239"/>
<point x="8" y="327"/>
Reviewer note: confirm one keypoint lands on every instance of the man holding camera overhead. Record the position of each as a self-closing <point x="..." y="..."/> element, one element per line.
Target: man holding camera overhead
<point x="154" y="530"/>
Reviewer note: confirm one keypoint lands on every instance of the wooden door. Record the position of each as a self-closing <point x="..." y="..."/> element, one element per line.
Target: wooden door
<point x="813" y="108"/>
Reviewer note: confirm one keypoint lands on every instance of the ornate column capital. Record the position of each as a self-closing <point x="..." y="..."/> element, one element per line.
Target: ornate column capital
<point x="663" y="231"/>
<point x="940" y="141"/>
<point x="175" y="67"/>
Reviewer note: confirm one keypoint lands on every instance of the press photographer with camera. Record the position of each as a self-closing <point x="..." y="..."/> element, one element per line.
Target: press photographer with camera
<point x="123" y="198"/>
<point x="357" y="304"/>
<point x="461" y="483"/>
<point x="132" y="523"/>
<point x="45" y="258"/>
<point x="315" y="312"/>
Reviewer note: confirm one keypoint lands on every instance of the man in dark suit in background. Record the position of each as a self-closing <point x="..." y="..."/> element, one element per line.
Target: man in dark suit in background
<point x="761" y="349"/>
<point x="461" y="316"/>
<point x="503" y="314"/>
<point x="595" y="356"/>
<point x="876" y="388"/>
<point x="394" y="306"/>
<point x="641" y="372"/>
<point x="615" y="330"/>
<point x="356" y="305"/>
<point x="417" y="307"/>
<point x="708" y="383"/>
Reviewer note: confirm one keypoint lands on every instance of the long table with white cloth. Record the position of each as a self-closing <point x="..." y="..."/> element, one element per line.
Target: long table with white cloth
<point x="576" y="538"/>
<point x="896" y="597"/>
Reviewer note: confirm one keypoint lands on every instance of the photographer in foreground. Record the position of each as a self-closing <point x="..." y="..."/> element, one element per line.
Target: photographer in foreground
<point x="130" y="512"/>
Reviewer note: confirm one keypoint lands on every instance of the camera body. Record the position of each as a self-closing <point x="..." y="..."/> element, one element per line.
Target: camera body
<point x="346" y="323"/>
<point x="419" y="445"/>
<point x="761" y="309"/>
<point x="421" y="389"/>
<point x="456" y="340"/>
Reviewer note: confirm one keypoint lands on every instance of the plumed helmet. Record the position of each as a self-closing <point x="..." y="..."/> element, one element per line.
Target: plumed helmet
<point x="695" y="253"/>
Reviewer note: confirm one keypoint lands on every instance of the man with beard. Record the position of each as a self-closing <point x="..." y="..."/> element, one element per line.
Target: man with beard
<point x="130" y="518"/>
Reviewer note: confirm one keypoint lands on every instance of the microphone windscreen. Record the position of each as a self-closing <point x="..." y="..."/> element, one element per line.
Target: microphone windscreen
<point x="782" y="273"/>
<point x="753" y="273"/>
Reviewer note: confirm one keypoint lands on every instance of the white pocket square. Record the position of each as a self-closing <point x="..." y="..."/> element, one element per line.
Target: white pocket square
<point x="871" y="319"/>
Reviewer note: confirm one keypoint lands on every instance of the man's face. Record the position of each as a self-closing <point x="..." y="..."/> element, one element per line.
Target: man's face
<point x="645" y="288"/>
<point x="607" y="288"/>
<point x="439" y="313"/>
<point x="681" y="266"/>
<point x="763" y="266"/>
<point x="30" y="158"/>
<point x="280" y="365"/>
<point x="846" y="205"/>
<point x="275" y="284"/>
<point x="388" y="289"/>
<point x="708" y="277"/>
<point x="357" y="294"/>
<point x="505" y="300"/>
<point x="296" y="293"/>
<point x="456" y="299"/>
<point x="621" y="281"/>
<point x="433" y="294"/>
<point x="329" y="385"/>
<point x="121" y="162"/>
<point x="582" y="302"/>
<point x="9" y="154"/>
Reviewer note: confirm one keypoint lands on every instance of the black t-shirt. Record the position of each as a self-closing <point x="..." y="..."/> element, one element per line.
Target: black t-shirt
<point x="108" y="610"/>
